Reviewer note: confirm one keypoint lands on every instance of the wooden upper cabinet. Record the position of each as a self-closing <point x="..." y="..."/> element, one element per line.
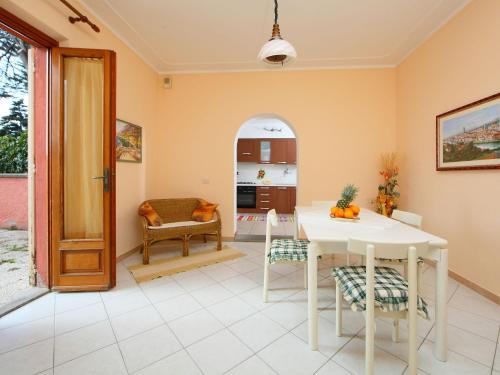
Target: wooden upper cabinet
<point x="291" y="151"/>
<point x="247" y="150"/>
<point x="279" y="151"/>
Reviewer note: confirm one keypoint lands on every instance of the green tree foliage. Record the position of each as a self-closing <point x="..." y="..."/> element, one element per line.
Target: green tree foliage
<point x="14" y="153"/>
<point x="13" y="84"/>
<point x="463" y="152"/>
<point x="16" y="122"/>
<point x="13" y="65"/>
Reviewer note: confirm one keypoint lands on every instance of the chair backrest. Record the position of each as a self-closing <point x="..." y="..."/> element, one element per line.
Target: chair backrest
<point x="388" y="250"/>
<point x="324" y="203"/>
<point x="272" y="221"/>
<point x="408" y="218"/>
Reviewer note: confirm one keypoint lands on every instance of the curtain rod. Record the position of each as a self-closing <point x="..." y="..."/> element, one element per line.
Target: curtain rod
<point x="80" y="18"/>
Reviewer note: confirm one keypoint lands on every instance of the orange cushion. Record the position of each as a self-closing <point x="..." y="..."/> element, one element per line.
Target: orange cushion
<point x="150" y="214"/>
<point x="205" y="211"/>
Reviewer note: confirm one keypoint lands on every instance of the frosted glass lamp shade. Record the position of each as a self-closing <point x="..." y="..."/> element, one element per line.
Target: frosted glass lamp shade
<point x="277" y="51"/>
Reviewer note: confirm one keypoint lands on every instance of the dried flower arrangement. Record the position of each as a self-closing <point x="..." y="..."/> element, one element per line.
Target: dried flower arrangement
<point x="388" y="194"/>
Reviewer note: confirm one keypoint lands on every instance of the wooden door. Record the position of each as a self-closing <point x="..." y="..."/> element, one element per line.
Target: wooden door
<point x="82" y="170"/>
<point x="278" y="151"/>
<point x="291" y="151"/>
<point x="247" y="150"/>
<point x="282" y="199"/>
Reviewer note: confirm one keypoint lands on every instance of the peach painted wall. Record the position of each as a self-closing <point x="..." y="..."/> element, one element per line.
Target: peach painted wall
<point x="343" y="120"/>
<point x="136" y="98"/>
<point x="13" y="202"/>
<point x="457" y="65"/>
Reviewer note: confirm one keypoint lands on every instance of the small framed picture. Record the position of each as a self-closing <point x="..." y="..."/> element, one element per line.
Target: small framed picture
<point x="128" y="142"/>
<point x="469" y="137"/>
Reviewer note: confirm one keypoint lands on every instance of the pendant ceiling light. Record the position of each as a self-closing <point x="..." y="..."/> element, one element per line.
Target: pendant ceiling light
<point x="277" y="51"/>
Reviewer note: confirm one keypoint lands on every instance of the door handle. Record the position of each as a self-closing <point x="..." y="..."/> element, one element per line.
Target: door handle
<point x="105" y="179"/>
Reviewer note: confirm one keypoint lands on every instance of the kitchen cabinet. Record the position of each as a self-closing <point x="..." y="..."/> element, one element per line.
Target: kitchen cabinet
<point x="279" y="151"/>
<point x="247" y="150"/>
<point x="281" y="198"/>
<point x="291" y="151"/>
<point x="267" y="151"/>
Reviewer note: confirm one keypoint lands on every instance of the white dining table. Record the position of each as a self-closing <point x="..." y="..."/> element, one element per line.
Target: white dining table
<point x="327" y="236"/>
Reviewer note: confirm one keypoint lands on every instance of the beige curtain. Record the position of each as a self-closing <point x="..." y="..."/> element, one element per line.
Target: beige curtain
<point x="83" y="147"/>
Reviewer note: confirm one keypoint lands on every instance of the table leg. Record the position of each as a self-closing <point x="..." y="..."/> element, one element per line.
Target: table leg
<point x="312" y="296"/>
<point x="441" y="347"/>
<point x="296" y="226"/>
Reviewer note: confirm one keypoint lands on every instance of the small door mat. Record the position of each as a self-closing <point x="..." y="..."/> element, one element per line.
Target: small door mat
<point x="165" y="267"/>
<point x="281" y="218"/>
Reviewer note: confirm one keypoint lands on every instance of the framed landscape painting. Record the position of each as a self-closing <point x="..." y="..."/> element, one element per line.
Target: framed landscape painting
<point x="128" y="142"/>
<point x="469" y="137"/>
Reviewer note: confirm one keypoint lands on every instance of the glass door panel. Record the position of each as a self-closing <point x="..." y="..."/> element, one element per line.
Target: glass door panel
<point x="84" y="173"/>
<point x="265" y="151"/>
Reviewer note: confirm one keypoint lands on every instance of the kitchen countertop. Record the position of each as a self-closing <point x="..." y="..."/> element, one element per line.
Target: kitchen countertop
<point x="273" y="184"/>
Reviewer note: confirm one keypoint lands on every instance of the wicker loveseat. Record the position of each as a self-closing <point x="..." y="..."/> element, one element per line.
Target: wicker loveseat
<point x="176" y="215"/>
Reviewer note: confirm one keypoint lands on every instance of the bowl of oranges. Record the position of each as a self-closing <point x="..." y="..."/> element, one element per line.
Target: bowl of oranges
<point x="345" y="210"/>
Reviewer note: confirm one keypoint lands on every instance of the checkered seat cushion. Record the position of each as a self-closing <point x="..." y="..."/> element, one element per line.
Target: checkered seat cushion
<point x="288" y="250"/>
<point x="391" y="289"/>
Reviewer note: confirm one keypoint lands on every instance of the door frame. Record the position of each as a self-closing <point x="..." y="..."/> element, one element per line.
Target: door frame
<point x="42" y="44"/>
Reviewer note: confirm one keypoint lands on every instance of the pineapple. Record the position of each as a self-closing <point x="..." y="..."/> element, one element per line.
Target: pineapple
<point x="348" y="195"/>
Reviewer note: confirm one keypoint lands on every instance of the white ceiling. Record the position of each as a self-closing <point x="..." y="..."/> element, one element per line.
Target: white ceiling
<point x="177" y="36"/>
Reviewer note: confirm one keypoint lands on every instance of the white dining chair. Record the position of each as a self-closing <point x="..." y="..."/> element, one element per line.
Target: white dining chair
<point x="282" y="251"/>
<point x="415" y="221"/>
<point x="382" y="291"/>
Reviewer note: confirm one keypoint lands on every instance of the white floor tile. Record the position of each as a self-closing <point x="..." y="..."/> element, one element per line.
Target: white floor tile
<point x="252" y="366"/>
<point x="219" y="271"/>
<point x="257" y="331"/>
<point x="39" y="308"/>
<point x="177" y="307"/>
<point x="74" y="319"/>
<point x="243" y="265"/>
<point x="332" y="367"/>
<point x="469" y="345"/>
<point x="352" y="321"/>
<point x="328" y="342"/>
<point x="126" y="303"/>
<point x="70" y="301"/>
<point x="456" y="364"/>
<point x="352" y="358"/>
<point x="212" y="294"/>
<point x="177" y="363"/>
<point x="25" y="334"/>
<point x="106" y="361"/>
<point x="28" y="360"/>
<point x="239" y="284"/>
<point x="156" y="282"/>
<point x="82" y="341"/>
<point x="254" y="297"/>
<point x="473" y="323"/>
<point x="290" y="355"/>
<point x="195" y="281"/>
<point x="120" y="290"/>
<point x="163" y="292"/>
<point x="218" y="353"/>
<point x="475" y="304"/>
<point x="287" y="314"/>
<point x="496" y="364"/>
<point x="148" y="347"/>
<point x="257" y="275"/>
<point x="231" y="310"/>
<point x="195" y="326"/>
<point x="136" y="321"/>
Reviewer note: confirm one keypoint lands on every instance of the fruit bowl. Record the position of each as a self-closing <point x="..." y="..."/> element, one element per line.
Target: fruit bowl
<point x="354" y="219"/>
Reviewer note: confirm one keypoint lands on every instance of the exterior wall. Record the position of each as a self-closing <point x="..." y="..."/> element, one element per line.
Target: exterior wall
<point x="135" y="98"/>
<point x="343" y="120"/>
<point x="457" y="65"/>
<point x="14" y="201"/>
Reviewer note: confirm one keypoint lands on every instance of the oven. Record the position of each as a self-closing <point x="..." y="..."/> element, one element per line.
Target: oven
<point x="246" y="197"/>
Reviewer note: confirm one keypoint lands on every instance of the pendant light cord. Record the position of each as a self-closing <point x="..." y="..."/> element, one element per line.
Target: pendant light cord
<point x="275" y="12"/>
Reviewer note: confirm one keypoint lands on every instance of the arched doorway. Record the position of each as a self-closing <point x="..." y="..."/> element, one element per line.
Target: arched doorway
<point x="265" y="176"/>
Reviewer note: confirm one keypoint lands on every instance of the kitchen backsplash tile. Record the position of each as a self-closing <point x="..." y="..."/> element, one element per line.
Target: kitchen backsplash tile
<point x="276" y="173"/>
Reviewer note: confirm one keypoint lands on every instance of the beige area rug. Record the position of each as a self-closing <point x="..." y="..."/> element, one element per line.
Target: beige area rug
<point x="170" y="266"/>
